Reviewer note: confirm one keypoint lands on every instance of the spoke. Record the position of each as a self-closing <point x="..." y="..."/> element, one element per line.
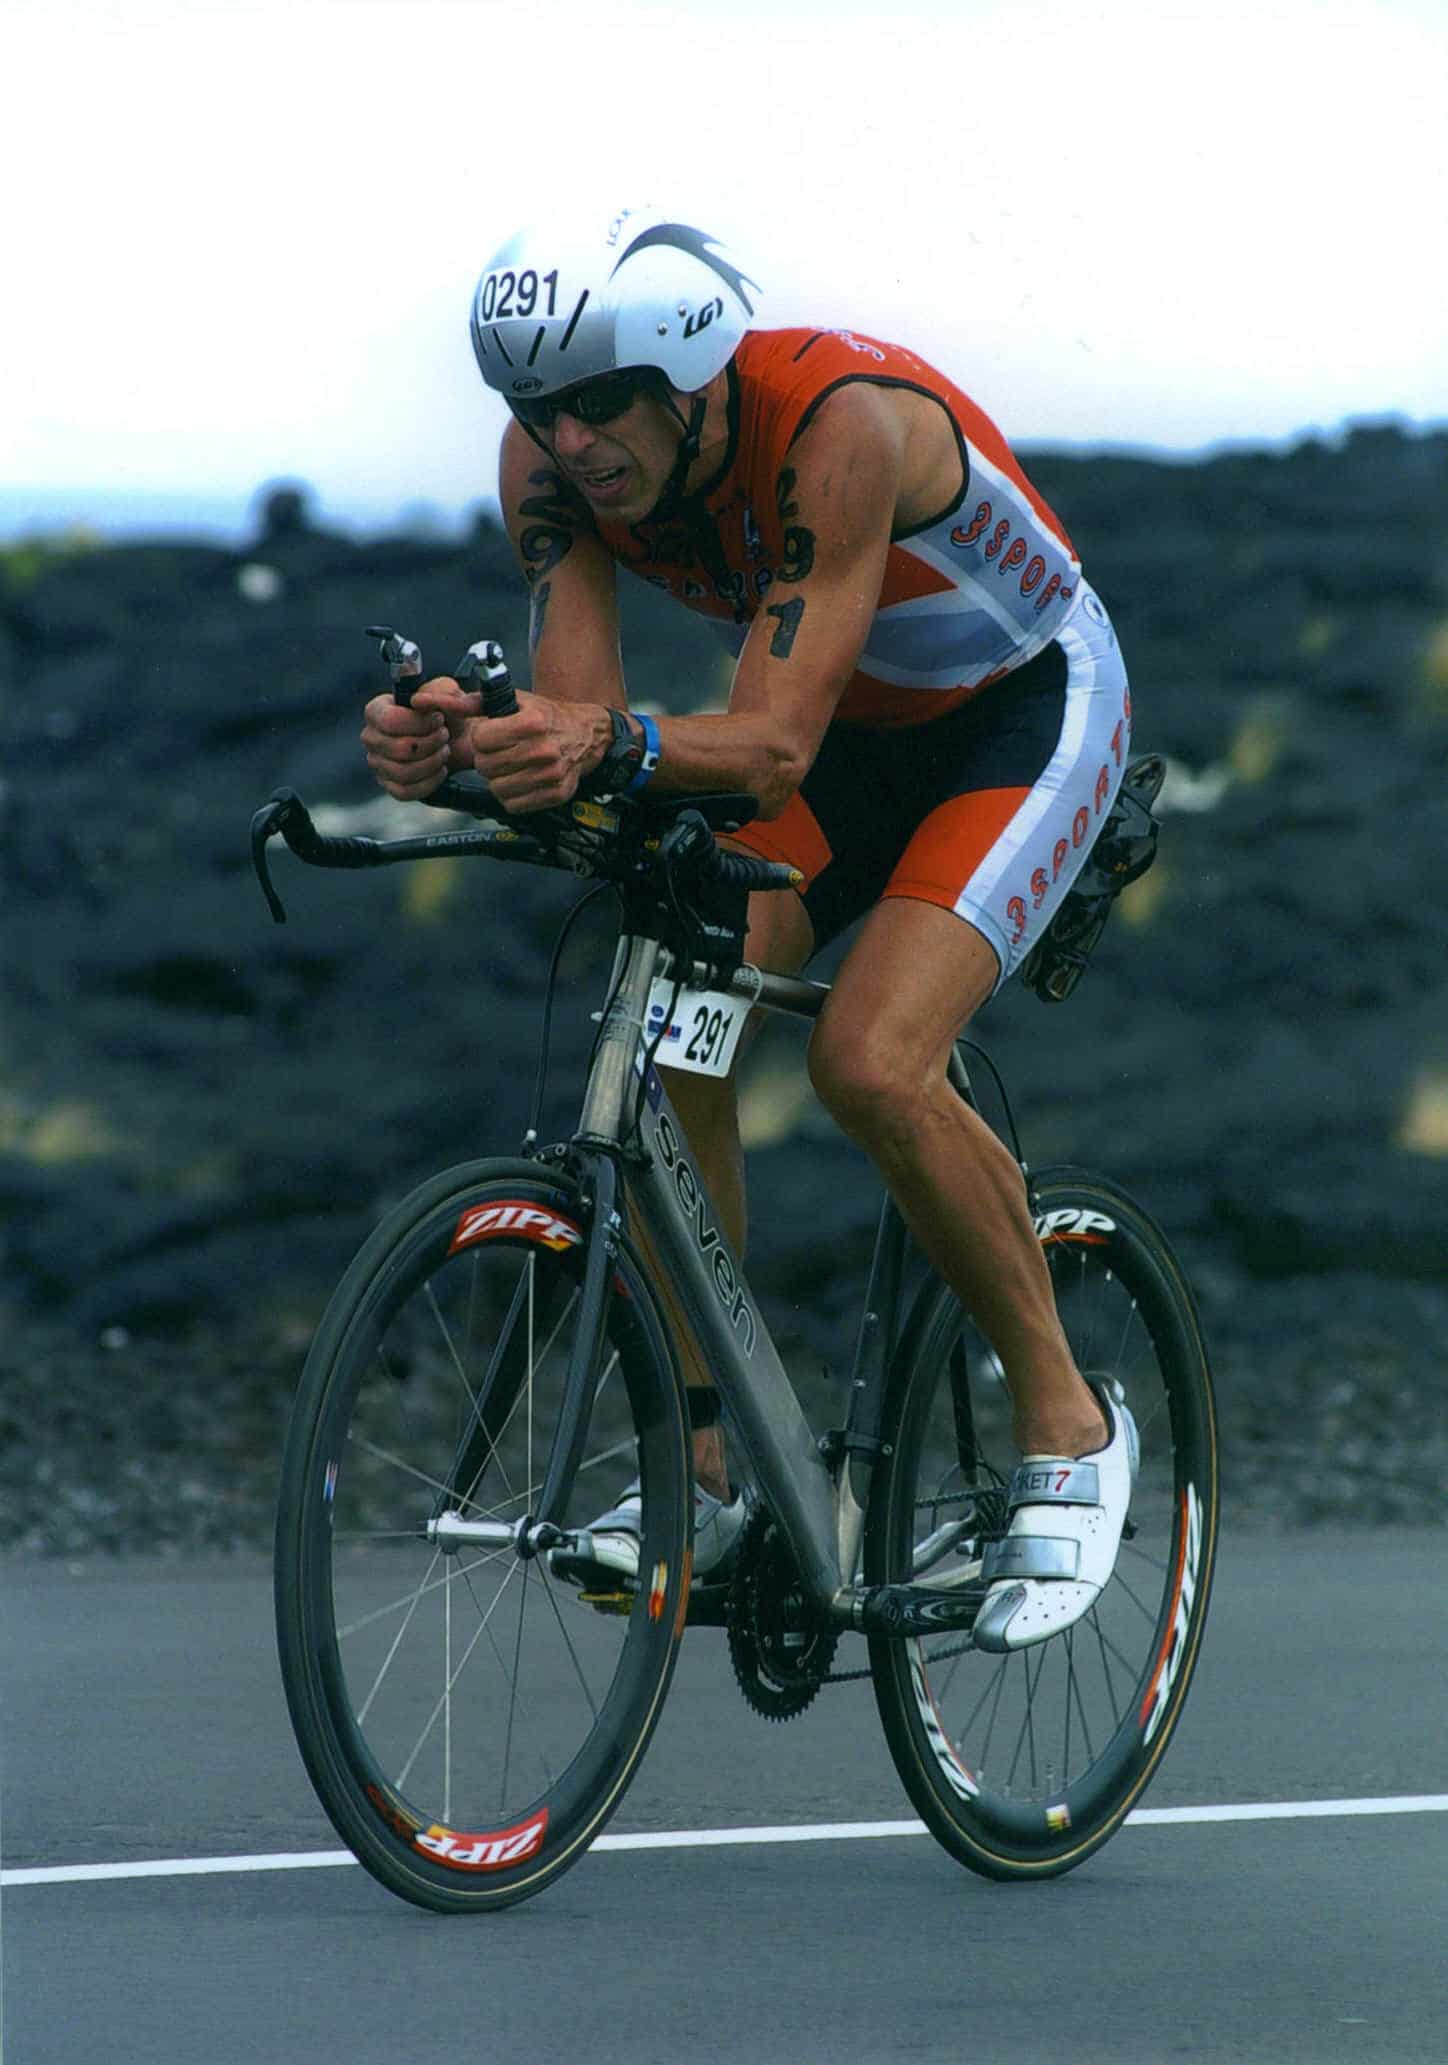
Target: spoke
<point x="353" y="1537"/>
<point x="447" y="1341"/>
<point x="532" y="1367"/>
<point x="569" y="1645"/>
<point x="1111" y="1699"/>
<point x="1073" y="1687"/>
<point x="955" y="1656"/>
<point x="495" y="1362"/>
<point x="1148" y="1420"/>
<point x="524" y="1712"/>
<point x="1031" y="1685"/>
<point x="447" y="1684"/>
<point x="513" y="1695"/>
<point x="431" y="1722"/>
<point x="397" y="1462"/>
<point x="997" y="1687"/>
<point x="1122" y="1658"/>
<point x="1148" y="1613"/>
<point x="1145" y="1556"/>
<point x="397" y="1638"/>
<point x="537" y="1358"/>
<point x="1132" y="1312"/>
<point x="605" y="1455"/>
<point x="1026" y="1735"/>
<point x="477" y="1508"/>
<point x="420" y="1591"/>
<point x="522" y="1310"/>
<point x="1024" y="1729"/>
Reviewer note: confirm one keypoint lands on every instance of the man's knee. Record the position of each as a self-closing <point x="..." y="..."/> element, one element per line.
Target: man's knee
<point x="862" y="1081"/>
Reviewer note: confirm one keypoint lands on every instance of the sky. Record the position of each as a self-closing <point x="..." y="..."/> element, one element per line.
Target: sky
<point x="246" y="234"/>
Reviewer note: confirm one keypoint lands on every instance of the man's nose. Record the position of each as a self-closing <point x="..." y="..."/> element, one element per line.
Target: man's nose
<point x="571" y="437"/>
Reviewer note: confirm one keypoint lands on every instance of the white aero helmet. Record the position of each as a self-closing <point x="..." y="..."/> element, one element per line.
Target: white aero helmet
<point x="632" y="288"/>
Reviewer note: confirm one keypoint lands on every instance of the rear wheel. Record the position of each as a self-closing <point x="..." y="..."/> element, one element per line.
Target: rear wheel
<point x="1022" y="1765"/>
<point x="468" y="1717"/>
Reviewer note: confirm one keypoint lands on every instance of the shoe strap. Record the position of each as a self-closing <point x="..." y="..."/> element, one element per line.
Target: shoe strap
<point x="1054" y="1481"/>
<point x="1031" y="1555"/>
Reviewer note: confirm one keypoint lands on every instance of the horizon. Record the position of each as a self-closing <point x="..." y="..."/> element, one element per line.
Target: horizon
<point x="31" y="514"/>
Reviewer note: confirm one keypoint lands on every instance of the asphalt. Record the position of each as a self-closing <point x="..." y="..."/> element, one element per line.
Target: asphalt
<point x="143" y="1721"/>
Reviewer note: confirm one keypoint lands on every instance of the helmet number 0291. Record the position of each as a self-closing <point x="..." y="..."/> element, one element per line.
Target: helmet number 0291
<point x="516" y="294"/>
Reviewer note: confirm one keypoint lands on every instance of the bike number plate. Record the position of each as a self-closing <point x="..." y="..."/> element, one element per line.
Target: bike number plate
<point x="701" y="1031"/>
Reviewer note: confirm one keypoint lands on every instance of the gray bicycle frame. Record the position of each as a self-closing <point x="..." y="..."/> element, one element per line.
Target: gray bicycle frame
<point x="820" y="1510"/>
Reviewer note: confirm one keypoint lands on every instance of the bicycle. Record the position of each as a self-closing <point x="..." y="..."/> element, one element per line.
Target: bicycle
<point x="500" y="1358"/>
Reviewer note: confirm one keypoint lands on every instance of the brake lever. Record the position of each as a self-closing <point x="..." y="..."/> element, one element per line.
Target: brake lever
<point x="404" y="661"/>
<point x="686" y="839"/>
<point x="482" y="667"/>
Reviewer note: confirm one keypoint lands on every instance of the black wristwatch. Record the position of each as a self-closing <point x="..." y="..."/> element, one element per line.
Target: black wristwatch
<point x="621" y="761"/>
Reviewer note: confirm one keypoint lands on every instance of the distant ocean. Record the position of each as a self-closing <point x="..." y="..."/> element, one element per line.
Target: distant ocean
<point x="221" y="518"/>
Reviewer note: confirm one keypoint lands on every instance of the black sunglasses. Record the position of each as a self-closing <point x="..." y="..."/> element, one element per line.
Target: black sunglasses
<point x="593" y="402"/>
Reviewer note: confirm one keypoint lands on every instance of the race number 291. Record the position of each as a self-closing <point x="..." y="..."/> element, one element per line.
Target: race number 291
<point x="700" y="1033"/>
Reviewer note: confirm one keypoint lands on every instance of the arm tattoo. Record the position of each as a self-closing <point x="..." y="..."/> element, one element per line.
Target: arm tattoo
<point x="537" y="613"/>
<point x="550" y="538"/>
<point x="789" y="614"/>
<point x="799" y="543"/>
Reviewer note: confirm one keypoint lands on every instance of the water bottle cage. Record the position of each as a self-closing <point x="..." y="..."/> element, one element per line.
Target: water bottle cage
<point x="1124" y="849"/>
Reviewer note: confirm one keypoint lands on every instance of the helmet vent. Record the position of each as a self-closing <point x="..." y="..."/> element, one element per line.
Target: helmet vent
<point x="501" y="346"/>
<point x="573" y="321"/>
<point x="538" y="342"/>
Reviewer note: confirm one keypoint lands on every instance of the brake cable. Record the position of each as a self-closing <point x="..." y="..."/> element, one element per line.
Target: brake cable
<point x="540" y="1081"/>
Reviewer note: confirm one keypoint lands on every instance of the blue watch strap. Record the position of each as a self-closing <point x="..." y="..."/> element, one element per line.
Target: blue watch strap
<point x="651" y="753"/>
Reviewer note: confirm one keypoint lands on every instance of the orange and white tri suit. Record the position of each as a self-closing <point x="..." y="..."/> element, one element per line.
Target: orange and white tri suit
<point x="982" y="737"/>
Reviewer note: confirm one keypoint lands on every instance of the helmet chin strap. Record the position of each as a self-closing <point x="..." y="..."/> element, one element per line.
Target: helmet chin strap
<point x="673" y="491"/>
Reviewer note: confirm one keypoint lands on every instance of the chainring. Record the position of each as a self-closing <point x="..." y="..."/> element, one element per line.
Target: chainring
<point x="780" y="1652"/>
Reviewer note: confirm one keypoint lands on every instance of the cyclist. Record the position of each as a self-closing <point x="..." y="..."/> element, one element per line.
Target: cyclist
<point x="928" y="701"/>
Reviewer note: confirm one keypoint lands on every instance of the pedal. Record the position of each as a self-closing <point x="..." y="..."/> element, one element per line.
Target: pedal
<point x="609" y="1602"/>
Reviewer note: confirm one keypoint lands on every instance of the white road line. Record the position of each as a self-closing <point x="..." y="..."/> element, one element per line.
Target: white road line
<point x="715" y="1838"/>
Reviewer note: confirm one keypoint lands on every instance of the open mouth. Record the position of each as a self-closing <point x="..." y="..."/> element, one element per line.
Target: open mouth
<point x="601" y="480"/>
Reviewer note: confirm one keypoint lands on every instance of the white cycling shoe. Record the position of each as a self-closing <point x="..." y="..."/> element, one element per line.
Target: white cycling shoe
<point x="608" y="1548"/>
<point x="1066" y="1518"/>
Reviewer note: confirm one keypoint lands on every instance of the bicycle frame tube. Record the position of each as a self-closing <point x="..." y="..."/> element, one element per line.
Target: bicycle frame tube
<point x="666" y="1189"/>
<point x="668" y="1192"/>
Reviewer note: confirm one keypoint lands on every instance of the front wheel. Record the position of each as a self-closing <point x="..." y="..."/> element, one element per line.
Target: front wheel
<point x="1022" y="1765"/>
<point x="469" y="1717"/>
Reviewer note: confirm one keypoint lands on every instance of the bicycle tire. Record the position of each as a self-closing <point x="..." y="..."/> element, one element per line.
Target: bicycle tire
<point x="1023" y="1765"/>
<point x="459" y="1782"/>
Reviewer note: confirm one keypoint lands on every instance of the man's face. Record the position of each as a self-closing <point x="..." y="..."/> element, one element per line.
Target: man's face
<point x="621" y="466"/>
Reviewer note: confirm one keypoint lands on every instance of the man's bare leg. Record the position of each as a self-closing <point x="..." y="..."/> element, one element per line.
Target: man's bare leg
<point x="878" y="1061"/>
